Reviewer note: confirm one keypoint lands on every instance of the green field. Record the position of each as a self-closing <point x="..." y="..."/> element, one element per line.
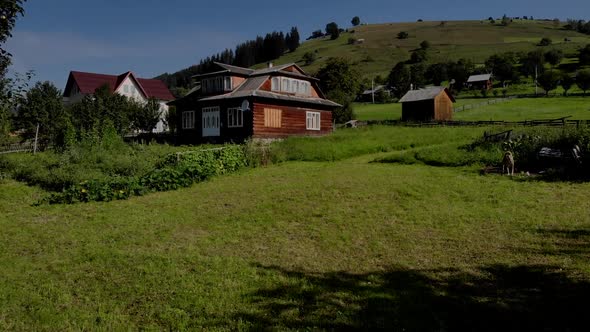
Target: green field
<point x="349" y="244"/>
<point x="513" y="110"/>
<point x="473" y="40"/>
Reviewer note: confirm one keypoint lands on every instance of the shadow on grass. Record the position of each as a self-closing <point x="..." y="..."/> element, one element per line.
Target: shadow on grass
<point x="491" y="298"/>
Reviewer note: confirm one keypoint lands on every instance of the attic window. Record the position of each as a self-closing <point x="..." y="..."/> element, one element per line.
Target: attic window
<point x="227" y="86"/>
<point x="291" y="85"/>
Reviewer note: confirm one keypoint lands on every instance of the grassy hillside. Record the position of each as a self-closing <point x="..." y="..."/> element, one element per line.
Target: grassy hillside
<point x="474" y="40"/>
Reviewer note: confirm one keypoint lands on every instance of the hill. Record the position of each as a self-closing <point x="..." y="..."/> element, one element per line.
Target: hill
<point x="473" y="40"/>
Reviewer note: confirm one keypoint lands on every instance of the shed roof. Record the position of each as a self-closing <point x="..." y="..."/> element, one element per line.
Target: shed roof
<point x="425" y="94"/>
<point x="479" y="78"/>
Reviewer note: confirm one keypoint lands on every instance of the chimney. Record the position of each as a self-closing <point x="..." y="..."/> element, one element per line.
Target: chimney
<point x="270" y="64"/>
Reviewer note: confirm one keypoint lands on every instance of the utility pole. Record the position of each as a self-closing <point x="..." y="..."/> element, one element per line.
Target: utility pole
<point x="36" y="138"/>
<point x="535" y="80"/>
<point x="373" y="90"/>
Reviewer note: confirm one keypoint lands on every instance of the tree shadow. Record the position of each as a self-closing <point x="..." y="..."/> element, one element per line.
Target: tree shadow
<point x="490" y="298"/>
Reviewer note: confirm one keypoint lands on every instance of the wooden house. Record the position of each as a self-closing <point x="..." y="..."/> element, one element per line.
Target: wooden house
<point x="429" y="104"/>
<point x="234" y="103"/>
<point x="480" y="82"/>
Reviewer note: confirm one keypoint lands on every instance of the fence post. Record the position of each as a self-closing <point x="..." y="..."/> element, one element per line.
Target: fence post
<point x="36" y="138"/>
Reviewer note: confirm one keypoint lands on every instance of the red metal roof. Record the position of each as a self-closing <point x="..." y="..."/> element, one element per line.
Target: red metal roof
<point x="89" y="82"/>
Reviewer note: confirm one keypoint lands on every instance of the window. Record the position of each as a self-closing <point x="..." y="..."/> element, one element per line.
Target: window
<point x="227" y="83"/>
<point x="188" y="120"/>
<point x="235" y="117"/>
<point x="272" y="117"/>
<point x="276" y="84"/>
<point x="214" y="84"/>
<point x="291" y="85"/>
<point x="286" y="85"/>
<point x="312" y="120"/>
<point x="126" y="88"/>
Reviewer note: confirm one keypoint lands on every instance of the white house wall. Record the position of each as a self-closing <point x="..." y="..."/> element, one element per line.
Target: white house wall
<point x="131" y="90"/>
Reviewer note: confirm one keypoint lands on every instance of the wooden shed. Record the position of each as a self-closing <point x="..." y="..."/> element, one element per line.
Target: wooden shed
<point x="480" y="82"/>
<point x="429" y="104"/>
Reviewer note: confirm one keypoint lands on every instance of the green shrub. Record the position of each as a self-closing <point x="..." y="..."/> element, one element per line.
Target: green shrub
<point x="176" y="170"/>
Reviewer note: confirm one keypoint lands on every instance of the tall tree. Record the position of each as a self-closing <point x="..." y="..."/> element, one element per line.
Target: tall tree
<point x="293" y="39"/>
<point x="147" y="116"/>
<point x="400" y="79"/>
<point x="43" y="106"/>
<point x="503" y="66"/>
<point x="355" y="21"/>
<point x="341" y="83"/>
<point x="9" y="11"/>
<point x="566" y="82"/>
<point x="583" y="80"/>
<point x="554" y="57"/>
<point x="549" y="81"/>
<point x="532" y="63"/>
<point x="333" y="30"/>
<point x="584" y="55"/>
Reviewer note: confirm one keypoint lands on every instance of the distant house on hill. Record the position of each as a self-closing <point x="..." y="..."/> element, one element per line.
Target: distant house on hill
<point x="429" y="104"/>
<point x="234" y="103"/>
<point x="81" y="84"/>
<point x="480" y="82"/>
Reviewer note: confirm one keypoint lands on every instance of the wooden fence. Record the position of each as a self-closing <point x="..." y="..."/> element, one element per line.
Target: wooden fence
<point x="483" y="103"/>
<point x="17" y="147"/>
<point x="543" y="122"/>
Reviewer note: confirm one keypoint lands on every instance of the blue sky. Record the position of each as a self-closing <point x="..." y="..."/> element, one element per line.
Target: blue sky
<point x="150" y="37"/>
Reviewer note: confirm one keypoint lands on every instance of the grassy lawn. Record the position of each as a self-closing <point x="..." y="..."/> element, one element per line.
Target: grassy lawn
<point x="350" y="244"/>
<point x="513" y="110"/>
<point x="531" y="108"/>
<point x="393" y="111"/>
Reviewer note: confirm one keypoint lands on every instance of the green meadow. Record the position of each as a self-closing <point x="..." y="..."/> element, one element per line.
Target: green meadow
<point x="340" y="233"/>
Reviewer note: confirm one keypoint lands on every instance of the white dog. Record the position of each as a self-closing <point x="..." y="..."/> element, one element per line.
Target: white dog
<point x="508" y="163"/>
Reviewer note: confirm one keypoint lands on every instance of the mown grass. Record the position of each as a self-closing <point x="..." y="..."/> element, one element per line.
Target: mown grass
<point x="304" y="246"/>
<point x="347" y="143"/>
<point x="521" y="109"/>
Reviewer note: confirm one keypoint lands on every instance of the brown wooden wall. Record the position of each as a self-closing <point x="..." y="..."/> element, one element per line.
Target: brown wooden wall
<point x="293" y="121"/>
<point x="443" y="107"/>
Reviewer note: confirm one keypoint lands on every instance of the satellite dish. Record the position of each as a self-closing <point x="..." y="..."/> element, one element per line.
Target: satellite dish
<point x="245" y="106"/>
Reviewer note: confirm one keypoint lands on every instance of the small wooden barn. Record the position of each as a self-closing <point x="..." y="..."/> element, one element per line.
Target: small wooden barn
<point x="429" y="104"/>
<point x="480" y="82"/>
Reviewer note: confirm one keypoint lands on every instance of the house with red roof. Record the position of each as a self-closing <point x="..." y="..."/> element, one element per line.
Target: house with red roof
<point x="234" y="103"/>
<point x="81" y="84"/>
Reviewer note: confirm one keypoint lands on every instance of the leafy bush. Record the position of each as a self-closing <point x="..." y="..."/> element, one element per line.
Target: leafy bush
<point x="176" y="170"/>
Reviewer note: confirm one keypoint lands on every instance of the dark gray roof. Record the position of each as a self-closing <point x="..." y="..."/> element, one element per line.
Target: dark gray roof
<point x="479" y="78"/>
<point x="271" y="69"/>
<point x="235" y="69"/>
<point x="250" y="89"/>
<point x="423" y="94"/>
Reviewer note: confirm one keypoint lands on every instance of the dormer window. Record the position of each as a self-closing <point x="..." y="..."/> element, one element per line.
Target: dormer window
<point x="291" y="85"/>
<point x="216" y="84"/>
<point x="227" y="86"/>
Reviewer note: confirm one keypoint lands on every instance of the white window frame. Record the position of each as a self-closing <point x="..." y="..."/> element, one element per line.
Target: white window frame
<point x="188" y="120"/>
<point x="275" y="84"/>
<point x="291" y="86"/>
<point x="227" y="83"/>
<point x="313" y="121"/>
<point x="235" y="117"/>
